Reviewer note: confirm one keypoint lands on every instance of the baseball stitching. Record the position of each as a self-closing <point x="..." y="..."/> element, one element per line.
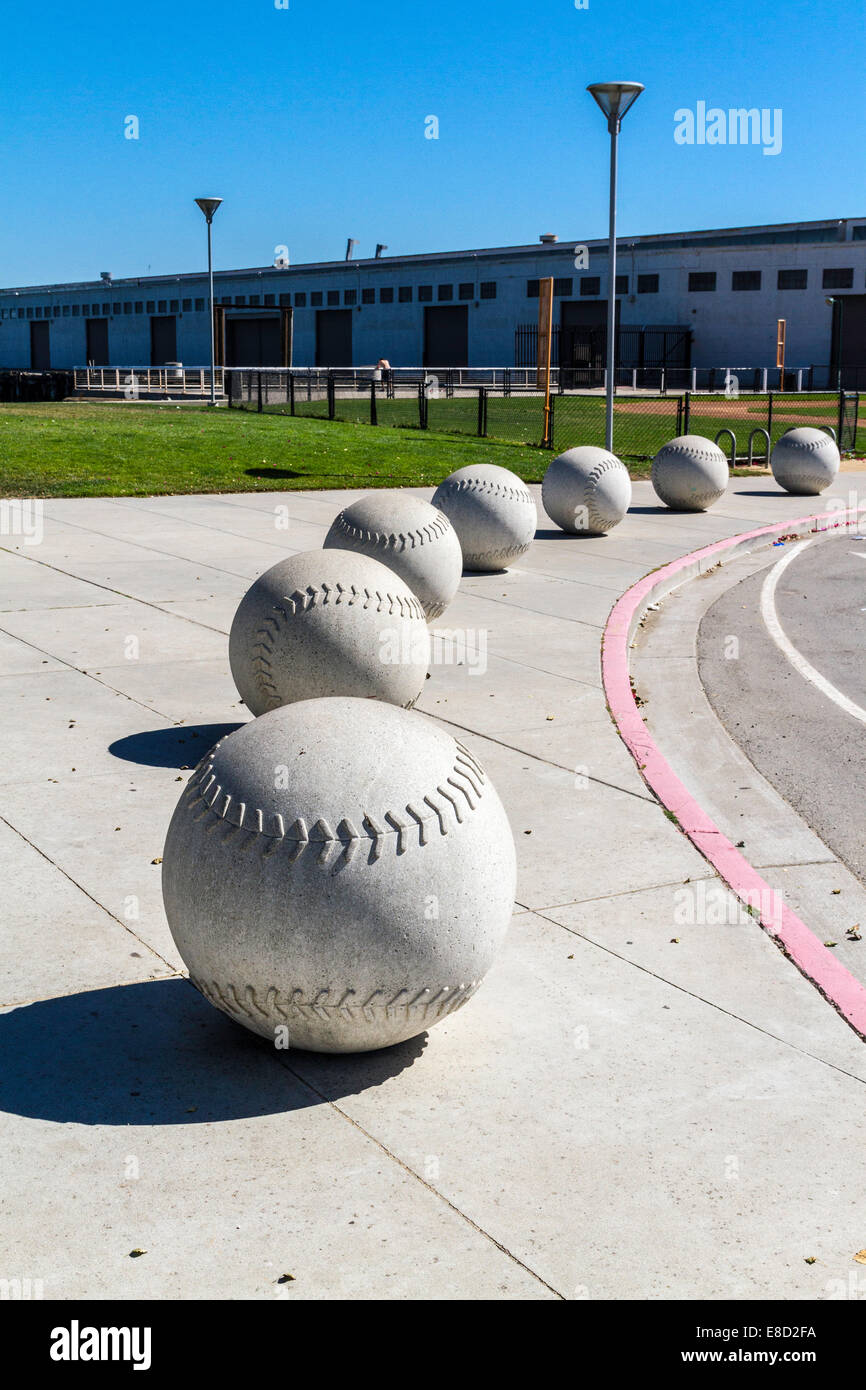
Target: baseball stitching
<point x="409" y="540"/>
<point x="243" y="1002"/>
<point x="449" y="804"/>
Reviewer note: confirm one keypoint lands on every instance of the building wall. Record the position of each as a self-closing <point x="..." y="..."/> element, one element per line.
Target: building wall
<point x="730" y="328"/>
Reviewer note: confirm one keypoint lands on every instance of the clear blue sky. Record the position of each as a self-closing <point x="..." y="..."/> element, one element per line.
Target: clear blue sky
<point x="309" y="122"/>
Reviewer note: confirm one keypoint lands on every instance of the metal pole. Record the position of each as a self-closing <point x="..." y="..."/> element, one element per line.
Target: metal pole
<point x="212" y="333"/>
<point x="839" y="348"/>
<point x="610" y="385"/>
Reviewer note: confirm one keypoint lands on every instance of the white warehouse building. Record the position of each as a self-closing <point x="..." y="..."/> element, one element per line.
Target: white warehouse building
<point x="703" y="299"/>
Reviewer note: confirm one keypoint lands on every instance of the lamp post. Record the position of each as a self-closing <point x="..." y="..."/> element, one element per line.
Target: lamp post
<point x="209" y="207"/>
<point x="613" y="99"/>
<point x="832" y="299"/>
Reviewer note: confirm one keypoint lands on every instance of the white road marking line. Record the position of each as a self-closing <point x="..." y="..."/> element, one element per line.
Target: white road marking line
<point x="774" y="627"/>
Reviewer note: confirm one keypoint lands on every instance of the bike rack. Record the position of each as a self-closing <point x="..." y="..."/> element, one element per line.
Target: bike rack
<point x="733" y="444"/>
<point x="766" y="434"/>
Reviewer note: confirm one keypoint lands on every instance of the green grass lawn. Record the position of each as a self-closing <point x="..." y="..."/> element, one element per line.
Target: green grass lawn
<point x="69" y="449"/>
<point x="82" y="449"/>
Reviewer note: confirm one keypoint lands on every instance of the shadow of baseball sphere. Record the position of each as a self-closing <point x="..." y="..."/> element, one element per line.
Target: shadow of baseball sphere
<point x="181" y="746"/>
<point x="158" y="1054"/>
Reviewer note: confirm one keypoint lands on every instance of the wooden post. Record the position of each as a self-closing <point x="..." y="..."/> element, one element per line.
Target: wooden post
<point x="780" y="351"/>
<point x="543" y="354"/>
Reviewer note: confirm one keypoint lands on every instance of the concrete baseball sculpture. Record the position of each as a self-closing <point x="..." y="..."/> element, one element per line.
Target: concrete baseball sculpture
<point x="586" y="491"/>
<point x="328" y="622"/>
<point x="409" y="536"/>
<point x="338" y="875"/>
<point x="493" y="513"/>
<point x="805" y="461"/>
<point x="690" y="473"/>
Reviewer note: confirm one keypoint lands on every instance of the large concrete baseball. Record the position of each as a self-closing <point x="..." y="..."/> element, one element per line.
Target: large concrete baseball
<point x="412" y="538"/>
<point x="341" y="870"/>
<point x="329" y="622"/>
<point x="586" y="491"/>
<point x="690" y="473"/>
<point x="805" y="461"/>
<point x="493" y="513"/>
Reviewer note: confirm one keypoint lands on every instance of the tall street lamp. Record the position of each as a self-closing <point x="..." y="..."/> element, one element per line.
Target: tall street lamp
<point x="832" y="299"/>
<point x="614" y="99"/>
<point x="209" y="207"/>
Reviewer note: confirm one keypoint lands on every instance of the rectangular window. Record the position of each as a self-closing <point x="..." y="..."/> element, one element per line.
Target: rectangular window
<point x="139" y="307"/>
<point x="466" y="290"/>
<point x="94" y="309"/>
<point x="590" y="284"/>
<point x="445" y="292"/>
<point x="425" y="294"/>
<point x="300" y="299"/>
<point x="701" y="280"/>
<point x="647" y="284"/>
<point x="333" y="296"/>
<point x="85" y="309"/>
<point x="315" y="298"/>
<point x="838" y="279"/>
<point x="240" y="300"/>
<point x="405" y="295"/>
<point x="160" y="305"/>
<point x="286" y="299"/>
<point x="746" y="280"/>
<point x="386" y="296"/>
<point x="150" y="307"/>
<point x="38" y="311"/>
<point x="368" y="296"/>
<point x="187" y="307"/>
<point x="269" y="300"/>
<point x="350" y="297"/>
<point x="76" y="310"/>
<point x="57" y="311"/>
<point x="792" y="279"/>
<point x="532" y="289"/>
<point x="30" y="311"/>
<point x="564" y="286"/>
<point x="488" y="289"/>
<point x="117" y="309"/>
<point x="199" y="306"/>
<point x="65" y="312"/>
<point x="622" y="284"/>
<point x="859" y="233"/>
<point x="127" y="308"/>
<point x="254" y="299"/>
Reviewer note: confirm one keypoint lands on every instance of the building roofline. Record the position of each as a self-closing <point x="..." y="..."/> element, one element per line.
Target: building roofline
<point x="537" y="248"/>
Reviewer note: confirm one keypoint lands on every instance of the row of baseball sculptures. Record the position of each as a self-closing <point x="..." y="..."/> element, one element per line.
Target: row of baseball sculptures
<point x="339" y="872"/>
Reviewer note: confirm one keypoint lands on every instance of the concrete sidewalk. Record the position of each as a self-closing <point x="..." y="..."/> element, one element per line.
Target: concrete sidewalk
<point x="630" y="1107"/>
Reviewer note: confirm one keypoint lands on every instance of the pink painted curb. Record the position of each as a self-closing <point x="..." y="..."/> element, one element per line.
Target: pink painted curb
<point x="799" y="943"/>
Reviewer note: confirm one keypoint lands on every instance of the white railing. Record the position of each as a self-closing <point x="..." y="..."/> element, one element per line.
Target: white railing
<point x="132" y="382"/>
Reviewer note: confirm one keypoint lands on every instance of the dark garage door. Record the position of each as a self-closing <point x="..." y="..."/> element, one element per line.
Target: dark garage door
<point x="163" y="340"/>
<point x="446" y="336"/>
<point x="97" y="342"/>
<point x="333" y="337"/>
<point x="253" y="342"/>
<point x="40" y="347"/>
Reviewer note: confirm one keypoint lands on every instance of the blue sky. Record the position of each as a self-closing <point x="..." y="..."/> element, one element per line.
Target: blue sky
<point x="310" y="123"/>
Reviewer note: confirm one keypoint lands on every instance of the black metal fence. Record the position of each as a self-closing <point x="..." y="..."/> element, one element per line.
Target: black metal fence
<point x="35" y="386"/>
<point x="746" y="425"/>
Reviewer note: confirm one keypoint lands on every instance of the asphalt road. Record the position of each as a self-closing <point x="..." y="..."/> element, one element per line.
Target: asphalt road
<point x="782" y="657"/>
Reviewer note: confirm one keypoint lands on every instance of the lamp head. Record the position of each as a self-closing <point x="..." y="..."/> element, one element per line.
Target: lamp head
<point x="209" y="207"/>
<point x="614" y="99"/>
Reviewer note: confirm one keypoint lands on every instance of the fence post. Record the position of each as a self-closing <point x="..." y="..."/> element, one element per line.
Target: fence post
<point x="482" y="412"/>
<point x="259" y="406"/>
<point x="291" y="393"/>
<point x="550" y="417"/>
<point x="770" y="415"/>
<point x="332" y="397"/>
<point x="374" y="416"/>
<point x="840" y="421"/>
<point x="422" y="406"/>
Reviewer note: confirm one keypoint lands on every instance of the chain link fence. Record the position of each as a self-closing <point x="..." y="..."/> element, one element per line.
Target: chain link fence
<point x="746" y="426"/>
